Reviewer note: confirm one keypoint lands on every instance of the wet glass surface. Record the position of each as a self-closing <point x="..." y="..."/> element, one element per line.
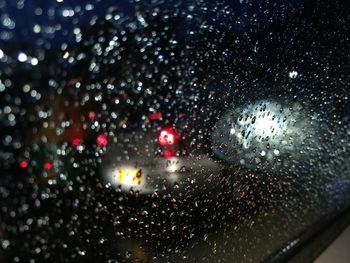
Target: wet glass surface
<point x="170" y="131"/>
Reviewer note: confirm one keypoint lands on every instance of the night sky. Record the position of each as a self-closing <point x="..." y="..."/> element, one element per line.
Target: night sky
<point x="19" y="19"/>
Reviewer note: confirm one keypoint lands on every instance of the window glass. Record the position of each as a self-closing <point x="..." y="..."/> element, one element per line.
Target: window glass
<point x="170" y="131"/>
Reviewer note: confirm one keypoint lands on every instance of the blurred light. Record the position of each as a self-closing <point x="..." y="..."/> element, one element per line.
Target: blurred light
<point x="166" y="136"/>
<point x="101" y="140"/>
<point x="173" y="165"/>
<point x="36" y="28"/>
<point x="47" y="166"/>
<point x="168" y="153"/>
<point x="245" y="134"/>
<point x="76" y="142"/>
<point x="23" y="164"/>
<point x="34" y="61"/>
<point x="155" y="116"/>
<point x="91" y="115"/>
<point x="266" y="124"/>
<point x="293" y="74"/>
<point x="22" y="57"/>
<point x="128" y="176"/>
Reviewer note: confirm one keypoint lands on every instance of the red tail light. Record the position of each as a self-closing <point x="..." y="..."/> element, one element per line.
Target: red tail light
<point x="47" y="166"/>
<point x="168" y="153"/>
<point x="101" y="140"/>
<point x="155" y="116"/>
<point x="167" y="136"/>
<point x="23" y="164"/>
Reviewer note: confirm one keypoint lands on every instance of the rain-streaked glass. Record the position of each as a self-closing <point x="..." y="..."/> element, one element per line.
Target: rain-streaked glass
<point x="170" y="131"/>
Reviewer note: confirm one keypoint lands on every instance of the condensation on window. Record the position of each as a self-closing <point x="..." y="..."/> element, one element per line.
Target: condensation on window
<point x="170" y="131"/>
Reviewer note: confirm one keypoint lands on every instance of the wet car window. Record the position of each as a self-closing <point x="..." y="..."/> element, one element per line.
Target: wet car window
<point x="170" y="131"/>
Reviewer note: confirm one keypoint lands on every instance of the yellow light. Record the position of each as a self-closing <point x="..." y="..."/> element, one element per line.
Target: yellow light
<point x="128" y="176"/>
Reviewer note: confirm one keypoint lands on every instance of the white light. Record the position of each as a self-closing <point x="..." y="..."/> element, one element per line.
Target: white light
<point x="265" y="125"/>
<point x="293" y="74"/>
<point x="37" y="29"/>
<point x="67" y="13"/>
<point x="172" y="165"/>
<point x="276" y="152"/>
<point x="34" y="61"/>
<point x="22" y="57"/>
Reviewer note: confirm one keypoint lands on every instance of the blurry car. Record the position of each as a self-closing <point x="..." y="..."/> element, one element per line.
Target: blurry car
<point x="156" y="159"/>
